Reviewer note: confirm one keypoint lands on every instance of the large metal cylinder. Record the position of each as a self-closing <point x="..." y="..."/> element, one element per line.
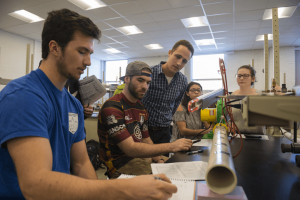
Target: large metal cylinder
<point x="220" y="175"/>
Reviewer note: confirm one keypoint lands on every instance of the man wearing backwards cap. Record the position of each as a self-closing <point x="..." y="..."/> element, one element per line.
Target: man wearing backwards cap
<point x="125" y="145"/>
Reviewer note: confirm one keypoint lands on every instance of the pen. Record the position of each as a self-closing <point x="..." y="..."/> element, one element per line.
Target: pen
<point x="194" y="152"/>
<point x="196" y="141"/>
<point x="157" y="178"/>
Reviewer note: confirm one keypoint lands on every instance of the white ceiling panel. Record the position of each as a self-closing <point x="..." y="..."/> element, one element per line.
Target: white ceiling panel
<point x="297" y="42"/>
<point x="131" y="44"/>
<point x="35" y="36"/>
<point x="246" y="32"/>
<point x="118" y="22"/>
<point x="243" y="44"/>
<point x="116" y="45"/>
<point x="202" y="36"/>
<point x="220" y="19"/>
<point x="285" y="29"/>
<point x="141" y="36"/>
<point x="224" y="40"/>
<point x="268" y="23"/>
<point x="122" y="39"/>
<point x="194" y="11"/>
<point x="219" y="8"/>
<point x="106" y="40"/>
<point x="287" y="41"/>
<point x="223" y="34"/>
<point x="243" y="5"/>
<point x="154" y="5"/>
<point x="211" y="47"/>
<point x="104" y="13"/>
<point x="183" y="3"/>
<point x="17" y="30"/>
<point x="280" y="3"/>
<point x="247" y="25"/>
<point x="250" y="15"/>
<point x="8" y="21"/>
<point x="262" y="31"/>
<point x="163" y="15"/>
<point x="197" y="30"/>
<point x="178" y="31"/>
<point x="292" y="21"/>
<point x="156" y="34"/>
<point x="221" y="28"/>
<point x="171" y="24"/>
<point x="111" y="2"/>
<point x="102" y="25"/>
<point x="245" y="38"/>
<point x="296" y="12"/>
<point x="33" y="27"/>
<point x="149" y="27"/>
<point x="289" y="35"/>
<point x="129" y="8"/>
<point x="112" y="33"/>
<point x="139" y="18"/>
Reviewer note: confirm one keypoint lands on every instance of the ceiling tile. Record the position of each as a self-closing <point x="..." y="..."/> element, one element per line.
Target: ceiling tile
<point x="297" y="12"/>
<point x="220" y="19"/>
<point x="213" y="1"/>
<point x="171" y="24"/>
<point x="221" y="28"/>
<point x="219" y="8"/>
<point x="156" y="34"/>
<point x="149" y="27"/>
<point x="147" y="41"/>
<point x="105" y="40"/>
<point x="141" y="36"/>
<point x="268" y="23"/>
<point x="35" y="36"/>
<point x="154" y="5"/>
<point x="247" y="25"/>
<point x="197" y="30"/>
<point x="223" y="34"/>
<point x="178" y="31"/>
<point x="243" y="44"/>
<point x="139" y="19"/>
<point x="202" y="36"/>
<point x="245" y="38"/>
<point x="206" y="47"/>
<point x="33" y="27"/>
<point x="130" y="8"/>
<point x="287" y="41"/>
<point x="164" y="15"/>
<point x="116" y="45"/>
<point x="122" y="39"/>
<point x="249" y="15"/>
<point x="262" y="31"/>
<point x="8" y="21"/>
<point x="17" y="30"/>
<point x="104" y="13"/>
<point x="224" y="40"/>
<point x="285" y="29"/>
<point x="183" y="3"/>
<point x="281" y="3"/>
<point x="243" y="5"/>
<point x="112" y="33"/>
<point x="297" y="42"/>
<point x="246" y="32"/>
<point x="118" y="22"/>
<point x="194" y="11"/>
<point x="292" y="21"/>
<point x="102" y="25"/>
<point x="131" y="44"/>
<point x="289" y="35"/>
<point x="111" y="2"/>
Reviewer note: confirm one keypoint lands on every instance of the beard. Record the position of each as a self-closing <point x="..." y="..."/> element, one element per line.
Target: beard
<point x="62" y="69"/>
<point x="133" y="91"/>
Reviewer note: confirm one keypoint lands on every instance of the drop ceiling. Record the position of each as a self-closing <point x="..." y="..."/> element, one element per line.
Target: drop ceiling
<point x="233" y="24"/>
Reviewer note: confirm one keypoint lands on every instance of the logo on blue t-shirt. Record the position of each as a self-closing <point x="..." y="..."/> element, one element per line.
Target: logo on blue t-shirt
<point x="73" y="122"/>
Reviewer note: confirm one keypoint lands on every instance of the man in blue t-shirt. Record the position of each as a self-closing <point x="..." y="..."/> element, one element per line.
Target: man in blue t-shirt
<point x="41" y="125"/>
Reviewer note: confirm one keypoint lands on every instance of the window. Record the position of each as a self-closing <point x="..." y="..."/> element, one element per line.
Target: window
<point x="112" y="70"/>
<point x="206" y="71"/>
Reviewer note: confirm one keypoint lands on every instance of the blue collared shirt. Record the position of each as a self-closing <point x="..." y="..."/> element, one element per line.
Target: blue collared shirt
<point x="161" y="99"/>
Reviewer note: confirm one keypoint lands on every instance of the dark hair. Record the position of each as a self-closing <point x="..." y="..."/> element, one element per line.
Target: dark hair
<point x="61" y="25"/>
<point x="252" y="71"/>
<point x="186" y="98"/>
<point x="184" y="43"/>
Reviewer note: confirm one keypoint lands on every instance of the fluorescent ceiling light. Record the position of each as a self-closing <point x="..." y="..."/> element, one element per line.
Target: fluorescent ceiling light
<point x="26" y="16"/>
<point x="262" y="37"/>
<point x="112" y="50"/>
<point x="153" y="46"/>
<point x="283" y="12"/>
<point x="205" y="42"/>
<point x="88" y="4"/>
<point x="195" y="22"/>
<point x="130" y="30"/>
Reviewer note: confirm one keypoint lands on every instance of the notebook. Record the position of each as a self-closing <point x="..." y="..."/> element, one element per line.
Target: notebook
<point x="185" y="188"/>
<point x="181" y="170"/>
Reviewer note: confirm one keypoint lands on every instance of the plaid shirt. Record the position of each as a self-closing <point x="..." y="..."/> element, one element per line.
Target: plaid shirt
<point x="161" y="99"/>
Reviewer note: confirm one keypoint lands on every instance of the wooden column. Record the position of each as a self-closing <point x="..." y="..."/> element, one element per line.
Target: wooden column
<point x="27" y="58"/>
<point x="266" y="59"/>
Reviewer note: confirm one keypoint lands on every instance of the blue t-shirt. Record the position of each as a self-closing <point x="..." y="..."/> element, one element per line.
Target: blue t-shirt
<point x="33" y="106"/>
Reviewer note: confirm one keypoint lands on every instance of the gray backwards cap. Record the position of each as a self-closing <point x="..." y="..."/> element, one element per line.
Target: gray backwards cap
<point x="135" y="69"/>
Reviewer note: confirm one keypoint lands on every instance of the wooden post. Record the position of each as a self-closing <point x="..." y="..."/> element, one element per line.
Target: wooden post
<point x="266" y="58"/>
<point x="27" y="58"/>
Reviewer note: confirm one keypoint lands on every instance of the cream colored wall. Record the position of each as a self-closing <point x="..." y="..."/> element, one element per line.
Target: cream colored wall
<point x="90" y="125"/>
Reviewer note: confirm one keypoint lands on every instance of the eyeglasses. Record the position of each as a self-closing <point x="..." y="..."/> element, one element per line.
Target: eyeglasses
<point x="245" y="76"/>
<point x="194" y="90"/>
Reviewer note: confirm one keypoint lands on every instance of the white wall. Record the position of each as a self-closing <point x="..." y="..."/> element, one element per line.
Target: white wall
<point x="239" y="58"/>
<point x="297" y="60"/>
<point x="94" y="69"/>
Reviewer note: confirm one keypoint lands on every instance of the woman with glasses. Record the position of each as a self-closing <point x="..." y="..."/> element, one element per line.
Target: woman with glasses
<point x="245" y="78"/>
<point x="186" y="124"/>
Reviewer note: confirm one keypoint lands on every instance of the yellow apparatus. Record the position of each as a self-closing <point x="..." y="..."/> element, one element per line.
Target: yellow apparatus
<point x="208" y="115"/>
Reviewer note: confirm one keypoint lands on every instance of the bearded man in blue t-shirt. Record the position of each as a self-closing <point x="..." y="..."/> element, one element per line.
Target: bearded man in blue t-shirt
<point x="42" y="127"/>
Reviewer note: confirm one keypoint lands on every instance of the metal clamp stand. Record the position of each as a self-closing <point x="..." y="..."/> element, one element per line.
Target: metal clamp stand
<point x="294" y="147"/>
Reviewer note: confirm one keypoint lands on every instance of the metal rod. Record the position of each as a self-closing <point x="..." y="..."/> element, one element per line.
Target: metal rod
<point x="295" y="132"/>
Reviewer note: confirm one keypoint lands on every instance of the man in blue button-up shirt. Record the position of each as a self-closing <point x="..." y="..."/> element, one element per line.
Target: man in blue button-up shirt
<point x="166" y="91"/>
